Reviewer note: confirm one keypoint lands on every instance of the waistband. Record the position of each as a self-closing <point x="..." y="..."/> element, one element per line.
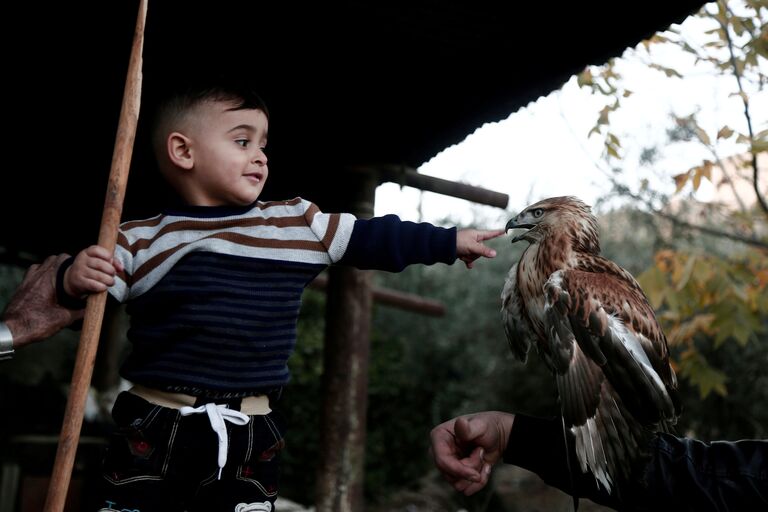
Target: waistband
<point x="251" y="405"/>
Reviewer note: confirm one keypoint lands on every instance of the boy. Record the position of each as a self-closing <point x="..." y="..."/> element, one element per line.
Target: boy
<point x="214" y="289"/>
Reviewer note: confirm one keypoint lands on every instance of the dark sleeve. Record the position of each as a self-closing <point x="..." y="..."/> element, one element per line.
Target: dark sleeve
<point x="537" y="444"/>
<point x="721" y="475"/>
<point x="681" y="474"/>
<point x="388" y="243"/>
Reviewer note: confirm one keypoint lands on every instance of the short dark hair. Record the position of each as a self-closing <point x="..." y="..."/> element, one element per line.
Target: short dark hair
<point x="180" y="99"/>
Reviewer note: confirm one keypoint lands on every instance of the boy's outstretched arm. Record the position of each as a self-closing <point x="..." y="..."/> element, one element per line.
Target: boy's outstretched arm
<point x="470" y="246"/>
<point x="93" y="271"/>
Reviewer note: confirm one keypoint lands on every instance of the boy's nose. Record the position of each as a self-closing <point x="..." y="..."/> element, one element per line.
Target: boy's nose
<point x="259" y="158"/>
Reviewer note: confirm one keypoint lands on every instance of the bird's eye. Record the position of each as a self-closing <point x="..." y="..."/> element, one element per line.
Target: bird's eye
<point x="538" y="212"/>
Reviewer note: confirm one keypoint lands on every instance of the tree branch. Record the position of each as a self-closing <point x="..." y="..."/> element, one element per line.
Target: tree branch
<point x="685" y="224"/>
<point x="755" y="182"/>
<point x="712" y="231"/>
<point x="727" y="177"/>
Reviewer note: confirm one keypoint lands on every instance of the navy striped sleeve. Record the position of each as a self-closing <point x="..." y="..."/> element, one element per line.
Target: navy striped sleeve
<point x="388" y="243"/>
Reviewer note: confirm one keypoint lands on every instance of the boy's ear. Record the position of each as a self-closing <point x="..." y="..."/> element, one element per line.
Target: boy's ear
<point x="179" y="151"/>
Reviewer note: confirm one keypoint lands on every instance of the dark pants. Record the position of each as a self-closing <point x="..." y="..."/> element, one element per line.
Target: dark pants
<point x="158" y="460"/>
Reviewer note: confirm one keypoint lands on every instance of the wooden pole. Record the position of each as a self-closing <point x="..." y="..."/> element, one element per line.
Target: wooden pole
<point x="345" y="374"/>
<point x="406" y="176"/>
<point x="110" y="220"/>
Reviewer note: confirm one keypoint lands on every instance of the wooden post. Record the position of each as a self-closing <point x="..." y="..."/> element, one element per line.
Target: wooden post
<point x="345" y="374"/>
<point x="346" y="349"/>
<point x="89" y="338"/>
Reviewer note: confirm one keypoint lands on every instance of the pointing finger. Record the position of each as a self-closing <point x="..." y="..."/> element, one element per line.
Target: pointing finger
<point x="489" y="235"/>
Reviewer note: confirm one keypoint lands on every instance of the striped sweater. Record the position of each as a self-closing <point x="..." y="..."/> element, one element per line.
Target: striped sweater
<point x="214" y="292"/>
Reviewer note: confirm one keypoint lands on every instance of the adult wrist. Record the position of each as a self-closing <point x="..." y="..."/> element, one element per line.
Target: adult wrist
<point x="6" y="342"/>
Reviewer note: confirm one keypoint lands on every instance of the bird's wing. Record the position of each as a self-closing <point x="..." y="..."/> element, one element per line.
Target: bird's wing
<point x="611" y="365"/>
<point x="612" y="323"/>
<point x="516" y="328"/>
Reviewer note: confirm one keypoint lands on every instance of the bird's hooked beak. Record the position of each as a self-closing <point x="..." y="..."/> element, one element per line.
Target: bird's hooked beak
<point x="516" y="223"/>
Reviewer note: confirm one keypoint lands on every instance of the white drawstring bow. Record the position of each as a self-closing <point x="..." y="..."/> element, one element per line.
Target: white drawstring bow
<point x="217" y="415"/>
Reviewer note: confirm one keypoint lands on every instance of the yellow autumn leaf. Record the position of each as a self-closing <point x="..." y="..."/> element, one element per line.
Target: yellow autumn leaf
<point x="680" y="181"/>
<point x="702" y="135"/>
<point x="585" y="78"/>
<point x="724" y="132"/>
<point x="697" y="178"/>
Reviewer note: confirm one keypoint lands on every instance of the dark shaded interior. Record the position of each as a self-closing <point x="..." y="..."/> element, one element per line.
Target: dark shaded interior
<point x="346" y="83"/>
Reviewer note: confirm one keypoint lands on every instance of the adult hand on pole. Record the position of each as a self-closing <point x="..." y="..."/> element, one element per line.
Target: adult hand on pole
<point x="33" y="314"/>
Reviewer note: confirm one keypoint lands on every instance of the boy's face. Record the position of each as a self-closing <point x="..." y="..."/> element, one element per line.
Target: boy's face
<point x="227" y="148"/>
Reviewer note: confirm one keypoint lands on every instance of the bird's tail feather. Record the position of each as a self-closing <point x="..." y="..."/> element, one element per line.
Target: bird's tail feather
<point x="610" y="442"/>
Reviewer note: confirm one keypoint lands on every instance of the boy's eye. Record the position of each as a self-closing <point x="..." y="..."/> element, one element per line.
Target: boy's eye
<point x="242" y="142"/>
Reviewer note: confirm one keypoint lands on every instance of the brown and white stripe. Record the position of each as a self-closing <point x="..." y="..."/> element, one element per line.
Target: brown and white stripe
<point x="295" y="231"/>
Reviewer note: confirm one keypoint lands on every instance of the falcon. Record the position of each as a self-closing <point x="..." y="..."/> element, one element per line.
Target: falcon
<point x="594" y="329"/>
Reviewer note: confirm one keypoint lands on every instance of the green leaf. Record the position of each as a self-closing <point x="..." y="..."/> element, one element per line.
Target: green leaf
<point x="603" y="118"/>
<point x="703" y="271"/>
<point x="733" y="319"/>
<point x="670" y="72"/>
<point x="737" y="25"/>
<point x="751" y="59"/>
<point x="697" y="370"/>
<point x="654" y="283"/>
<point x="759" y="46"/>
<point x="686" y="273"/>
<point x="741" y="334"/>
<point x="688" y="48"/>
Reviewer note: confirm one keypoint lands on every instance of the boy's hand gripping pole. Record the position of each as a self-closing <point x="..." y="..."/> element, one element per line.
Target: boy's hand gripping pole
<point x="94" y="312"/>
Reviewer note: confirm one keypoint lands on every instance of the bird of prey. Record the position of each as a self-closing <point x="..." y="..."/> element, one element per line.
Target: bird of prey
<point x="594" y="328"/>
